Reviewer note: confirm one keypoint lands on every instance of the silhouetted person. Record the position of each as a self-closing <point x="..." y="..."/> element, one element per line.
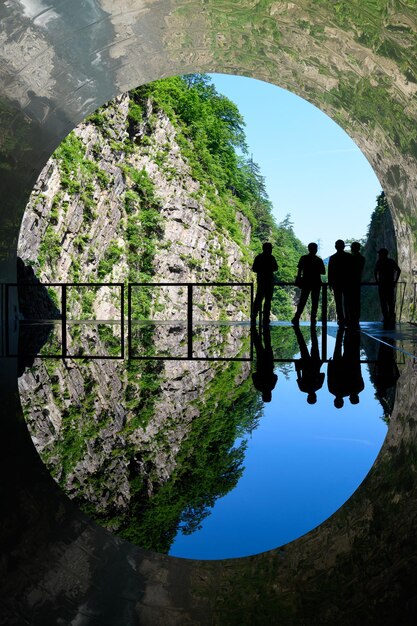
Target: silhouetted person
<point x="310" y="270"/>
<point x="358" y="265"/>
<point x="309" y="377"/>
<point x="264" y="379"/>
<point x="340" y="281"/>
<point x="386" y="274"/>
<point x="264" y="266"/>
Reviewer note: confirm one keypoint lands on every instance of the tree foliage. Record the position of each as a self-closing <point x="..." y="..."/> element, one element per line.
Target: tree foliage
<point x="210" y="131"/>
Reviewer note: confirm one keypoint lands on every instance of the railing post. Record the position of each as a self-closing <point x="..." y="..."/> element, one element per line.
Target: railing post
<point x="6" y="318"/>
<point x="324" y="304"/>
<point x="190" y="320"/>
<point x="324" y="322"/>
<point x="251" y="333"/>
<point x="122" y="320"/>
<point x="64" y="320"/>
<point x="129" y="321"/>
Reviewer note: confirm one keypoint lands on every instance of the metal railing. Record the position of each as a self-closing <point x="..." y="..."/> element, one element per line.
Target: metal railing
<point x="64" y="322"/>
<point x="64" y="319"/>
<point x="189" y="320"/>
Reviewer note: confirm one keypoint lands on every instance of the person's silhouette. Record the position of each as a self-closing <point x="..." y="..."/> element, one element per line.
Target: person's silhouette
<point x="386" y="274"/>
<point x="264" y="379"/>
<point x="340" y="277"/>
<point x="310" y="270"/>
<point x="309" y="377"/>
<point x="358" y="265"/>
<point x="264" y="267"/>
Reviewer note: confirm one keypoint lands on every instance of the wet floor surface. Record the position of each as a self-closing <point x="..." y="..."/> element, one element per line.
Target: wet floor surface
<point x="252" y="442"/>
<point x="60" y="564"/>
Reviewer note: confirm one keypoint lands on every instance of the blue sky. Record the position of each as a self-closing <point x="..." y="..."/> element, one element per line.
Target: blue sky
<point x="312" y="169"/>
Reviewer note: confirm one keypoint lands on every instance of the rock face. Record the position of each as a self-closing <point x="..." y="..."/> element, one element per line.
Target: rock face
<point x="87" y="217"/>
<point x="381" y="235"/>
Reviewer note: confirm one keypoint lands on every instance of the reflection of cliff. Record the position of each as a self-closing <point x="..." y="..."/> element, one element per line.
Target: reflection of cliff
<point x="146" y="447"/>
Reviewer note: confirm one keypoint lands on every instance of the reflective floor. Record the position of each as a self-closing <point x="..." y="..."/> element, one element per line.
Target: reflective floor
<point x="253" y="441"/>
<point x="60" y="566"/>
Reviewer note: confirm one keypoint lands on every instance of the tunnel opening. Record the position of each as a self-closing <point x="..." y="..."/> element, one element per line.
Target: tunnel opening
<point x="126" y="199"/>
<point x="358" y="60"/>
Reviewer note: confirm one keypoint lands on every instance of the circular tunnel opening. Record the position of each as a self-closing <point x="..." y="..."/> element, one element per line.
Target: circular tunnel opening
<point x="158" y="187"/>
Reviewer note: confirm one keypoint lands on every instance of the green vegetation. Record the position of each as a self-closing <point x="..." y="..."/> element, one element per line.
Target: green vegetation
<point x="210" y="132"/>
<point x="143" y="230"/>
<point x="207" y="466"/>
<point x="111" y="257"/>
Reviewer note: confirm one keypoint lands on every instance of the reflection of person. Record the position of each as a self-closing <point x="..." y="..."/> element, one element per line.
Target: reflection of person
<point x="344" y="376"/>
<point x="264" y="266"/>
<point x="358" y="265"/>
<point x="352" y="358"/>
<point x="309" y="377"/>
<point x="340" y="276"/>
<point x="385" y="376"/>
<point x="386" y="274"/>
<point x="310" y="269"/>
<point x="264" y="379"/>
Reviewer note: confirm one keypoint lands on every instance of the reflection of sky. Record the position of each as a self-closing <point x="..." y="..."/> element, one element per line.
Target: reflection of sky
<point x="302" y="463"/>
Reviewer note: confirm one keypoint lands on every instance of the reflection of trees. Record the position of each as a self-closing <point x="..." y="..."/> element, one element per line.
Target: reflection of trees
<point x="145" y="463"/>
<point x="285" y="346"/>
<point x="207" y="467"/>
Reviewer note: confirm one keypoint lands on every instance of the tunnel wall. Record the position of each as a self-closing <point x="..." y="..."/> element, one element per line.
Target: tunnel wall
<point x="357" y="61"/>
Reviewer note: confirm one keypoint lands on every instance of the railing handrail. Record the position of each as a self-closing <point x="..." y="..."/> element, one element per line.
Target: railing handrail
<point x="122" y="286"/>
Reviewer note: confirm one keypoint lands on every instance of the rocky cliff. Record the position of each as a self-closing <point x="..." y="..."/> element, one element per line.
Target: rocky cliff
<point x="381" y="234"/>
<point x="114" y="204"/>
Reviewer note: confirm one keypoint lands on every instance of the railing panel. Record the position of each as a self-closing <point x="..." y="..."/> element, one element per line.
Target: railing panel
<point x="190" y="316"/>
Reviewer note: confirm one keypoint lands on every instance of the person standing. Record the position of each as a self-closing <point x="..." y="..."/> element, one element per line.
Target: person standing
<point x="358" y="265"/>
<point x="264" y="267"/>
<point x="310" y="270"/>
<point x="386" y="274"/>
<point x="340" y="282"/>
